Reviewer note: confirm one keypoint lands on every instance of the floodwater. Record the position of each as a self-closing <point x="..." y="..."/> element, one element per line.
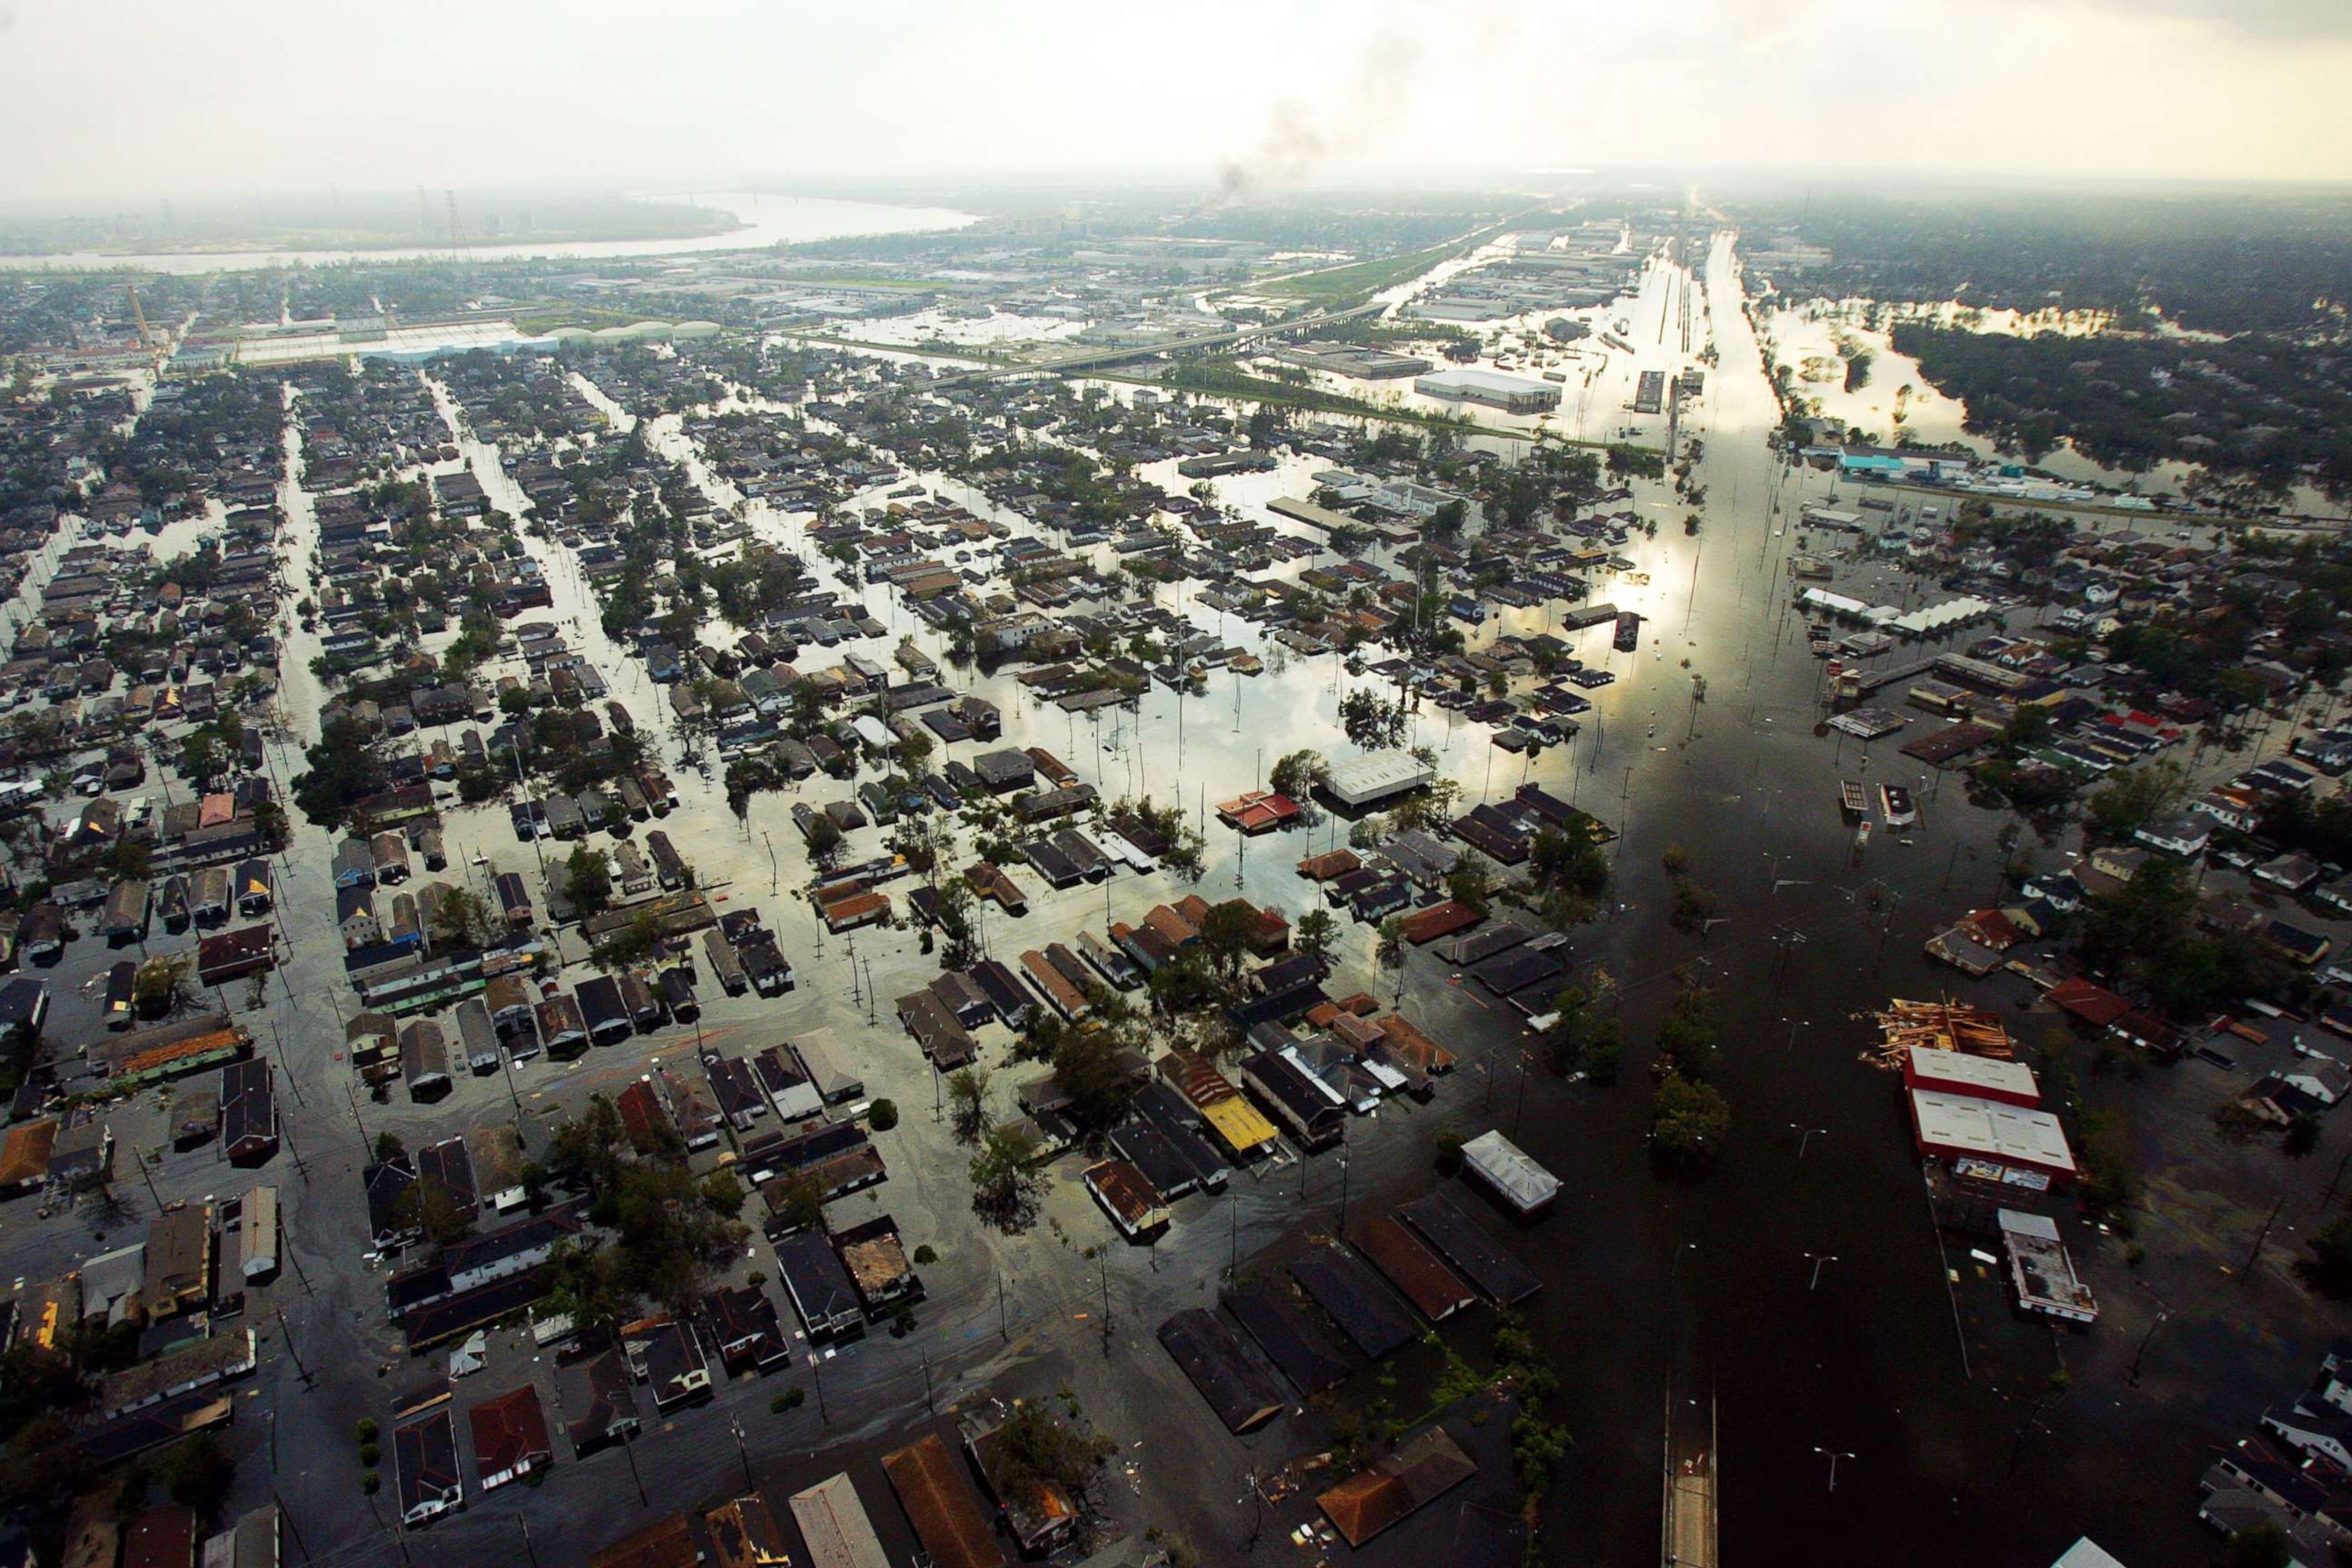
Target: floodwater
<point x="768" y="218"/>
<point x="1654" y="1286"/>
<point x="1800" y="1284"/>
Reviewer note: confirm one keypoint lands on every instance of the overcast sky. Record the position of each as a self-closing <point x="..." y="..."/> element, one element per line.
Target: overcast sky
<point x="136" y="99"/>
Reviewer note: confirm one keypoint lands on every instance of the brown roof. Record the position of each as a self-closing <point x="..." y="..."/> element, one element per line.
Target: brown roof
<point x="666" y="1543"/>
<point x="1128" y="1191"/>
<point x="1412" y="1267"/>
<point x="941" y="1506"/>
<point x="1424" y="926"/>
<point x="1333" y="863"/>
<point x="1196" y="1077"/>
<point x="744" y="1534"/>
<point x="508" y="1431"/>
<point x="1389" y="1489"/>
<point x="1399" y="1035"/>
<point x="25" y="1156"/>
<point x="163" y="1537"/>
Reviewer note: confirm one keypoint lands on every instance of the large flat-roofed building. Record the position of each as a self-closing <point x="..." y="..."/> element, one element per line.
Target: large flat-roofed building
<point x="1469" y="383"/>
<point x="1986" y="1078"/>
<point x="1988" y="1139"/>
<point x="1361" y="780"/>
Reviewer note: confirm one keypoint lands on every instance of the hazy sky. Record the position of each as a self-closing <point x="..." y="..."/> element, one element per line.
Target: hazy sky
<point x="136" y="99"/>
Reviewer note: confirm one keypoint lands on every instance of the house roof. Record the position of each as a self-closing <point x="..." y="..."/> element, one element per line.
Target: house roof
<point x="1392" y="1487"/>
<point x="509" y="1432"/>
<point x="665" y="1543"/>
<point x="941" y="1506"/>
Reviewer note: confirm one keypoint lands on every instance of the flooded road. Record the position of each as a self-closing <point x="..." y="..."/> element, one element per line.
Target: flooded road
<point x="1801" y="1283"/>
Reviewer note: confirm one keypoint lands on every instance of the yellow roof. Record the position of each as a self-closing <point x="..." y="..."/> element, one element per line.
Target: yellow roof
<point x="1238" y="1123"/>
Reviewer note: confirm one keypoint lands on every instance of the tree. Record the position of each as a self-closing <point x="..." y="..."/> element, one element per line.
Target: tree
<point x="882" y="1115"/>
<point x="105" y="1206"/>
<point x="1006" y="1188"/>
<point x="722" y="1193"/>
<point x="1297" y="774"/>
<point x="199" y="1473"/>
<point x="2263" y="1545"/>
<point x="1371" y="721"/>
<point x="1033" y="1458"/>
<point x="344" y="768"/>
<point x="799" y="1202"/>
<point x="588" y="881"/>
<point x="1087" y="1068"/>
<point x="2147" y="794"/>
<point x="460" y="920"/>
<point x="968" y="1104"/>
<point x="2302" y="1136"/>
<point x="1389" y="949"/>
<point x="156" y="988"/>
<point x="1314" y="932"/>
<point x="2330" y="1269"/>
<point x="1471" y="885"/>
<point x="1689" y="1120"/>
<point x="823" y="839"/>
<point x="1686" y="1041"/>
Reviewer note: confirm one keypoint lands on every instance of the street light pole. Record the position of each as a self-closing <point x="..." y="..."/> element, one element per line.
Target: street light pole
<point x="1834" y="1458"/>
<point x="1818" y="1259"/>
<point x="2162" y="1316"/>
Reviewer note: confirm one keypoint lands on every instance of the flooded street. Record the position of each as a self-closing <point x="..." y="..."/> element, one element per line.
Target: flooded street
<point x="1801" y="1284"/>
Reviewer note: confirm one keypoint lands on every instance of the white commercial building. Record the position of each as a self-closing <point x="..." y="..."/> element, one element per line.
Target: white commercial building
<point x="1524" y="1184"/>
<point x="1512" y="394"/>
<point x="1375" y="777"/>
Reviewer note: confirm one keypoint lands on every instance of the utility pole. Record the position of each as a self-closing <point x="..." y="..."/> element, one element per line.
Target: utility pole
<point x="530" y="1550"/>
<point x="629" y="1452"/>
<point x="2132" y="1373"/>
<point x="742" y="1453"/>
<point x="287" y="1335"/>
<point x="2261" y="1235"/>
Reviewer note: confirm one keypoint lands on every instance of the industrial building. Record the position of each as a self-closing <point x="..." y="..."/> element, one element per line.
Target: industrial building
<point x="1511" y="394"/>
<point x="1364" y="781"/>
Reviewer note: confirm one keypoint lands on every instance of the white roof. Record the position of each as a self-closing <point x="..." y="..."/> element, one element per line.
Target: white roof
<point x="1483" y="380"/>
<point x="872" y="731"/>
<point x="1967" y="1073"/>
<point x="1991" y="1130"/>
<point x="1372" y="776"/>
<point x="2087" y="1553"/>
<point x="835" y="1526"/>
<point x="1825" y="600"/>
<point x="1934" y="618"/>
<point x="1516" y="1177"/>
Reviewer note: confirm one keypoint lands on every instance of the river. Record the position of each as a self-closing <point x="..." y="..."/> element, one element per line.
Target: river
<point x="765" y="218"/>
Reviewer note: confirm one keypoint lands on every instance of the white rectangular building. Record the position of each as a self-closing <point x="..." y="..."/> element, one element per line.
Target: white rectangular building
<point x="1471" y="384"/>
<point x="1524" y="1184"/>
<point x="1991" y="1140"/>
<point x="1361" y="780"/>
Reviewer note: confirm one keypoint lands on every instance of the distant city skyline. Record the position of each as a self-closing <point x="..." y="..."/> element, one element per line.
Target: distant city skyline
<point x="131" y="99"/>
